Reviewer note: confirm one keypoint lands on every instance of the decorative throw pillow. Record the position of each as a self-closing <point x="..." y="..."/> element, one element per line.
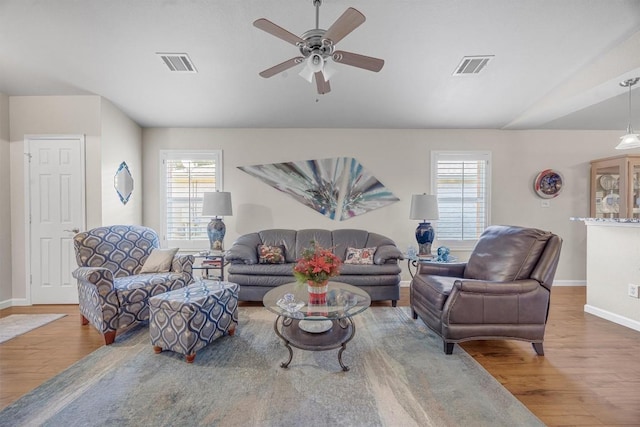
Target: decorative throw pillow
<point x="271" y="254"/>
<point x="159" y="261"/>
<point x="360" y="256"/>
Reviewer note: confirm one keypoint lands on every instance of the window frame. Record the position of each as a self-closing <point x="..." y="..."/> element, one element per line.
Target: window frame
<point x="462" y="155"/>
<point x="216" y="155"/>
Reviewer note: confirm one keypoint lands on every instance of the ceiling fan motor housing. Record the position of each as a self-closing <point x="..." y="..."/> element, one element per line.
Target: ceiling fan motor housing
<point x="315" y="43"/>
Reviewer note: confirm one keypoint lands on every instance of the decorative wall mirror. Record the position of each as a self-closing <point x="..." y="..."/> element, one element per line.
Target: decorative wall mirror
<point x="123" y="183"/>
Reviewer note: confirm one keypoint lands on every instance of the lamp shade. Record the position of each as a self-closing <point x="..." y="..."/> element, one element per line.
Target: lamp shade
<point x="630" y="140"/>
<point x="424" y="207"/>
<point x="216" y="203"/>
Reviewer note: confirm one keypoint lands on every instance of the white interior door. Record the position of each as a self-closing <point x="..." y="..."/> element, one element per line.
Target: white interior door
<point x="56" y="202"/>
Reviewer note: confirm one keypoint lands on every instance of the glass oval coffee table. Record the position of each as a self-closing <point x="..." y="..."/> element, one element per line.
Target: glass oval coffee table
<point x="316" y="327"/>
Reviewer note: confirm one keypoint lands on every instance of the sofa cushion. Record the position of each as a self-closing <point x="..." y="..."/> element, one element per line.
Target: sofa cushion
<point x="263" y="269"/>
<point x="159" y="261"/>
<point x="137" y="289"/>
<point x="369" y="270"/>
<point x="348" y="238"/>
<point x="506" y="253"/>
<point x="359" y="256"/>
<point x="271" y="254"/>
<point x="305" y="237"/>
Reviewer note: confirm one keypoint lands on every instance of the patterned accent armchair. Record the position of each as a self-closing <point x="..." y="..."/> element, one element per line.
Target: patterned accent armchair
<point x="111" y="292"/>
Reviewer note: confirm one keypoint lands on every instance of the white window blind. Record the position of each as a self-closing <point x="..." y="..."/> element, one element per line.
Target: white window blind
<point x="461" y="182"/>
<point x="186" y="177"/>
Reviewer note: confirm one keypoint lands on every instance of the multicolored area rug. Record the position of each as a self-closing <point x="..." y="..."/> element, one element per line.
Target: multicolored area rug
<point x="399" y="377"/>
<point x="18" y="324"/>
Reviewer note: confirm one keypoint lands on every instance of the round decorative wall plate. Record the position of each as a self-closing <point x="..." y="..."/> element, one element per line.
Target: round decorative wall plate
<point x="548" y="184"/>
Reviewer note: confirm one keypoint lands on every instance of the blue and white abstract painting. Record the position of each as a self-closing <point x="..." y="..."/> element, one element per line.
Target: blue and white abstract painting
<point x="363" y="192"/>
<point x="339" y="187"/>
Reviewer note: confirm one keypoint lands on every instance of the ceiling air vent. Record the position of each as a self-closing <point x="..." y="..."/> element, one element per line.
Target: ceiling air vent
<point x="472" y="65"/>
<point x="178" y="62"/>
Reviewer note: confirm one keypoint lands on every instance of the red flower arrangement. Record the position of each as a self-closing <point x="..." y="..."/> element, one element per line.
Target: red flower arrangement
<point x="317" y="265"/>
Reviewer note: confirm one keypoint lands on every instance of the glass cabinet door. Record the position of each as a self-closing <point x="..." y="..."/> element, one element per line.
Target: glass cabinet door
<point x="634" y="168"/>
<point x="615" y="187"/>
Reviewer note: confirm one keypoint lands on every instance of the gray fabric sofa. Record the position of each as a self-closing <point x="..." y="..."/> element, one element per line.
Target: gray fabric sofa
<point x="380" y="279"/>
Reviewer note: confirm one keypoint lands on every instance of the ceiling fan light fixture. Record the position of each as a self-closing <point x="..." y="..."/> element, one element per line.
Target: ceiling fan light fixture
<point x="313" y="64"/>
<point x="630" y="139"/>
<point x="306" y="73"/>
<point x="328" y="71"/>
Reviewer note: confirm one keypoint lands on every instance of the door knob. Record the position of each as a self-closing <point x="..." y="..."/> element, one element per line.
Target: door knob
<point x="73" y="230"/>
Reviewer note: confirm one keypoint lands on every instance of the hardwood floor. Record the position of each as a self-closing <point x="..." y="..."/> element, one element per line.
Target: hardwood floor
<point x="589" y="376"/>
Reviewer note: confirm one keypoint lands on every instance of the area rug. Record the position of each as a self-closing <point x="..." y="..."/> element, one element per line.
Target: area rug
<point x="18" y="324"/>
<point x="399" y="377"/>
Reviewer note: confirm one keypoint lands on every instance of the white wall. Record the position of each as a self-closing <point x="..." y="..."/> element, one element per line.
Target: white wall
<point x="71" y="115"/>
<point x="5" y="202"/>
<point x="121" y="142"/>
<point x="400" y="159"/>
<point x="613" y="251"/>
<point x="47" y="115"/>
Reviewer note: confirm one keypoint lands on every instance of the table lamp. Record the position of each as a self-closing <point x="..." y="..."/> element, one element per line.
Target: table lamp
<point x="215" y="205"/>
<point x="424" y="207"/>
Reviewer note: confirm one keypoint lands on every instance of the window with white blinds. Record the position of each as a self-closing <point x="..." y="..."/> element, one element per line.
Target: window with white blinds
<point x="186" y="176"/>
<point x="461" y="181"/>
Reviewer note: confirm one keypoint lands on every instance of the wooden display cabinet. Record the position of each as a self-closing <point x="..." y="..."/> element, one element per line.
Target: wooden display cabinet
<point x="615" y="187"/>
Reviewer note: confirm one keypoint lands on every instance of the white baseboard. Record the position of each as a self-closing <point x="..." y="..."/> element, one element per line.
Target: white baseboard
<point x="13" y="302"/>
<point x="569" y="283"/>
<point x="612" y="317"/>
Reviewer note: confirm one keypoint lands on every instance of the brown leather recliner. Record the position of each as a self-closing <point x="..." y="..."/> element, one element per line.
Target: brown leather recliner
<point x="502" y="292"/>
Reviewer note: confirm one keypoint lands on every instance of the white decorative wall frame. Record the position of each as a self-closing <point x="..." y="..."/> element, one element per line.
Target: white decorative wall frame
<point x="123" y="183"/>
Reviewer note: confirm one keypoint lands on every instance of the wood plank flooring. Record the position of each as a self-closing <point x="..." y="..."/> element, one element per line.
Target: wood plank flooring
<point x="589" y="376"/>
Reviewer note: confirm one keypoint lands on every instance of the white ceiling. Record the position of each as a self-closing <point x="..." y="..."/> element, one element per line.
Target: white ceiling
<point x="557" y="64"/>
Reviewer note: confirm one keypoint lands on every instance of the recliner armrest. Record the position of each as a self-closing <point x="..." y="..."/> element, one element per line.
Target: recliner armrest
<point x="496" y="288"/>
<point x="452" y="269"/>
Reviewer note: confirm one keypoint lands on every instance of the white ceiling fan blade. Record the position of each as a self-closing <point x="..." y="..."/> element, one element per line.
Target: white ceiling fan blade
<point x="360" y="61"/>
<point x="322" y="84"/>
<point x="269" y="72"/>
<point x="347" y="22"/>
<point x="278" y="31"/>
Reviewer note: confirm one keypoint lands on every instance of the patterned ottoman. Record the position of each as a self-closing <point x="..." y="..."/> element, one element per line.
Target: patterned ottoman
<point x="187" y="319"/>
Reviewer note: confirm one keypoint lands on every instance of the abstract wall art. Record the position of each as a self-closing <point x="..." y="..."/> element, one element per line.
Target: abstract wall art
<point x="339" y="187"/>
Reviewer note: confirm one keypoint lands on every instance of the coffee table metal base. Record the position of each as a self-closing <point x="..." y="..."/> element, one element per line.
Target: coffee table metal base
<point x="341" y="332"/>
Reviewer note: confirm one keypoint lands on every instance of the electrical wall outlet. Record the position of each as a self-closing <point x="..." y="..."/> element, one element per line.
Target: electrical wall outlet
<point x="633" y="291"/>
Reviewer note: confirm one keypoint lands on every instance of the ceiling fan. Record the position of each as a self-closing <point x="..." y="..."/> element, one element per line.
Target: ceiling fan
<point x="317" y="46"/>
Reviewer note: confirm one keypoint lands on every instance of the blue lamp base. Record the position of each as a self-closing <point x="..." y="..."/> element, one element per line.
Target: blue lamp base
<point x="216" y="231"/>
<point x="425" y="235"/>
